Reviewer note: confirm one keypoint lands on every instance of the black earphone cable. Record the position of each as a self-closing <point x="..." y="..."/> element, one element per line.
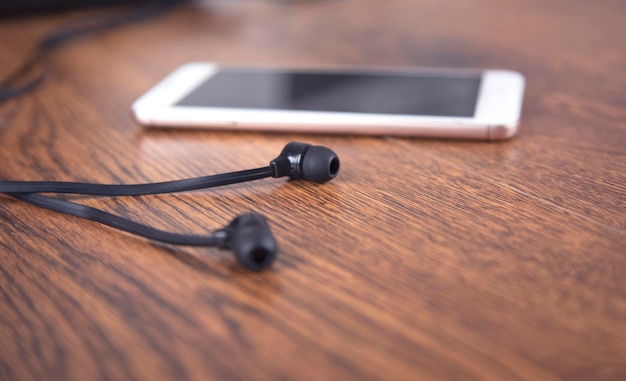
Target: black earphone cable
<point x="136" y="189"/>
<point x="114" y="221"/>
<point x="248" y="236"/>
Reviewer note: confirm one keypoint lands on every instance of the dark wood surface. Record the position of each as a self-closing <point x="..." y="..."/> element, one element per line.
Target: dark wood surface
<point x="424" y="259"/>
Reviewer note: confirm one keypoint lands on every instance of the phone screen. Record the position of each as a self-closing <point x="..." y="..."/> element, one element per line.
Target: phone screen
<point x="433" y="95"/>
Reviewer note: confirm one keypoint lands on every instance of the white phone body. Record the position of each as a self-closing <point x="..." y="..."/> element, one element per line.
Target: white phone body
<point x="494" y="113"/>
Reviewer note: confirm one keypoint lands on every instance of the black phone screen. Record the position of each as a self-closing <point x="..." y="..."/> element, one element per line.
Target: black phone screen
<point x="354" y="92"/>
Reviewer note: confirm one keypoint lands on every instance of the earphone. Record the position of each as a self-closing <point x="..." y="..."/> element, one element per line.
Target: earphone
<point x="248" y="235"/>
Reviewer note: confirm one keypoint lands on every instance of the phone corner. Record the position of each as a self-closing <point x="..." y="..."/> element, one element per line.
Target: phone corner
<point x="502" y="131"/>
<point x="139" y="117"/>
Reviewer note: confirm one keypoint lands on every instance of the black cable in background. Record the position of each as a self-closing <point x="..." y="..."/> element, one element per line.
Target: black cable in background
<point x="31" y="72"/>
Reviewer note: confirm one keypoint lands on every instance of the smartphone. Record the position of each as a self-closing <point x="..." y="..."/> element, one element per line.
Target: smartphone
<point x="437" y="103"/>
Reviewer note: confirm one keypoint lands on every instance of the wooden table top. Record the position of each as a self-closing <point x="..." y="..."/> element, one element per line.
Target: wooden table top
<point x="423" y="259"/>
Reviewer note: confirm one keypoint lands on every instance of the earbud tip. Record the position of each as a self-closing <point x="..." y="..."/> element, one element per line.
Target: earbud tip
<point x="256" y="253"/>
<point x="320" y="164"/>
<point x="252" y="241"/>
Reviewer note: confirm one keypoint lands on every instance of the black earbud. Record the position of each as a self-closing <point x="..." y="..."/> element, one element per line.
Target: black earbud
<point x="249" y="235"/>
<point x="304" y="161"/>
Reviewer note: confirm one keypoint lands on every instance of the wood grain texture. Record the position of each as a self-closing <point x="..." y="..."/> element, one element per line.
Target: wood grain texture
<point x="424" y="259"/>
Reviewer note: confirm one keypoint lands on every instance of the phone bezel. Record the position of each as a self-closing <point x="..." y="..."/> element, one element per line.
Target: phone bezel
<point x="496" y="117"/>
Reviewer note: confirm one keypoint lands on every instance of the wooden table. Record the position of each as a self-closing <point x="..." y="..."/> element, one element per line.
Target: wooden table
<point x="424" y="259"/>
